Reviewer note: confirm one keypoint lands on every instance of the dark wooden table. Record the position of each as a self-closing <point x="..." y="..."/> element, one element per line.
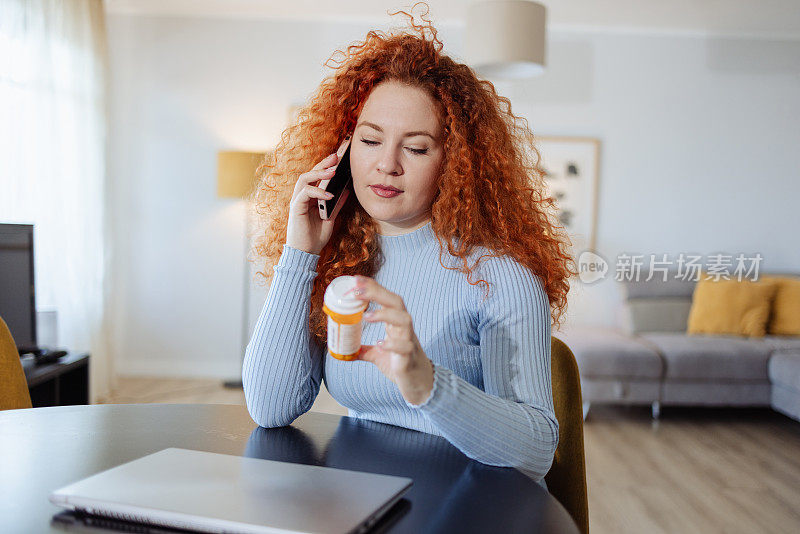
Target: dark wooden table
<point x="42" y="449"/>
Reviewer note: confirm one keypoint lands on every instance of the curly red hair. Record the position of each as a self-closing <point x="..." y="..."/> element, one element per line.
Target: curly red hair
<point x="491" y="190"/>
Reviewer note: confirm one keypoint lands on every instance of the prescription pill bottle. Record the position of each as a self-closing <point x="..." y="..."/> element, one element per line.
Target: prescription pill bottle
<point x="344" y="312"/>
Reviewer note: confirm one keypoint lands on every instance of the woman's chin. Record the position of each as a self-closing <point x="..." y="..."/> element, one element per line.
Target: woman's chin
<point x="384" y="213"/>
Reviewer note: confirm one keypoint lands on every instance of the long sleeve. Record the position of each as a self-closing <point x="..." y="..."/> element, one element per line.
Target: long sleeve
<point x="282" y="367"/>
<point x="512" y="422"/>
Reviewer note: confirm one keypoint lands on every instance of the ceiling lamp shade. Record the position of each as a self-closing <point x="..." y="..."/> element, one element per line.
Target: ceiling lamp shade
<point x="506" y="39"/>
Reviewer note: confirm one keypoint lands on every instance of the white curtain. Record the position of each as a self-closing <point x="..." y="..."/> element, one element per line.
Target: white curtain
<point x="53" y="85"/>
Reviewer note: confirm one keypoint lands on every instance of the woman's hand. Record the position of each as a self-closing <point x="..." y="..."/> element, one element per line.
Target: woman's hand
<point x="399" y="356"/>
<point x="306" y="230"/>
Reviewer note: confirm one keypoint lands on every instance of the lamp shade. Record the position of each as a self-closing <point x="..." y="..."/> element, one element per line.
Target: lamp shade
<point x="236" y="173"/>
<point x="506" y="39"/>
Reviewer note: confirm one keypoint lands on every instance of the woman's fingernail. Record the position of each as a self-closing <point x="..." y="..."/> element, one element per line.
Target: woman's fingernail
<point x="380" y="342"/>
<point x="328" y="195"/>
<point x="369" y="315"/>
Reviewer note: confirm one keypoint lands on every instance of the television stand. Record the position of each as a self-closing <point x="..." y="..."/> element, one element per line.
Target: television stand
<point x="61" y="383"/>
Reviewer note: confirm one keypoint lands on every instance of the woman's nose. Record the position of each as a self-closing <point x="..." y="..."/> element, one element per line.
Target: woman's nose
<point x="388" y="162"/>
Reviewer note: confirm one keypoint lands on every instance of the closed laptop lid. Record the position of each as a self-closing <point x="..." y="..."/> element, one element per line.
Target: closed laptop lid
<point x="213" y="492"/>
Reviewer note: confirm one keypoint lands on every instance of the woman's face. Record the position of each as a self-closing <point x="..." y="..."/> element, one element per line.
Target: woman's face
<point x="397" y="143"/>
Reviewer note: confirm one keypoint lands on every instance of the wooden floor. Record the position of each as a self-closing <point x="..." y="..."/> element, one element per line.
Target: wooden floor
<point x="694" y="470"/>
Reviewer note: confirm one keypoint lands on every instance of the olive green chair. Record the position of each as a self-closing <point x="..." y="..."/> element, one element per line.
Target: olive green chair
<point x="13" y="386"/>
<point x="566" y="479"/>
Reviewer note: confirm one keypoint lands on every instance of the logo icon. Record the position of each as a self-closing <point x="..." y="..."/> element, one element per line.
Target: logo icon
<point x="591" y="267"/>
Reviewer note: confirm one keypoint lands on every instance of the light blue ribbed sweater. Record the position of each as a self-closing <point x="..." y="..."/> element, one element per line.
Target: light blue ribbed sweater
<point x="492" y="394"/>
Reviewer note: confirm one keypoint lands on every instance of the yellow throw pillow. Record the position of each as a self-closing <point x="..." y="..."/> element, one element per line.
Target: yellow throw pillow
<point x="731" y="307"/>
<point x="785" y="317"/>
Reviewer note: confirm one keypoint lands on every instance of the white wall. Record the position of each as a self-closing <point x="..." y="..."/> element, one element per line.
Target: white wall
<point x="698" y="144"/>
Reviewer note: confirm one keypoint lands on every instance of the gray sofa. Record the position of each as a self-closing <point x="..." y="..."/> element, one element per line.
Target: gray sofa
<point x="650" y="360"/>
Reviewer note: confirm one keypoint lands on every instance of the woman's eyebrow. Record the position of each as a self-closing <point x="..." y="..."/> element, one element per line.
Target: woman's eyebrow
<point x="407" y="134"/>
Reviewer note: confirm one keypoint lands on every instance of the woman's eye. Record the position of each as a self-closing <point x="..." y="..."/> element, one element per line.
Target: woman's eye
<point x="418" y="151"/>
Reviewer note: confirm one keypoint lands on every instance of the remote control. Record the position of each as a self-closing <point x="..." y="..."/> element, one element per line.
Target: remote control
<point x="49" y="356"/>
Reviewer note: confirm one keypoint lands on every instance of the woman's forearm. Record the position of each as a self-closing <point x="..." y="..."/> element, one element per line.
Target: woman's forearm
<point x="489" y="429"/>
<point x="282" y="366"/>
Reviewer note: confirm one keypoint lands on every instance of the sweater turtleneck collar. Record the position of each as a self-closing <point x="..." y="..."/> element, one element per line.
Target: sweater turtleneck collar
<point x="408" y="242"/>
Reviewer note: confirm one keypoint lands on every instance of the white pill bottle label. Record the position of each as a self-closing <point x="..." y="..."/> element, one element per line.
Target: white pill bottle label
<point x="343" y="339"/>
<point x="344" y="318"/>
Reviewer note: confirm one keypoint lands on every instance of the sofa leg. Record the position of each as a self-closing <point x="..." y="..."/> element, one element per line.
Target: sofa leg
<point x="586" y="406"/>
<point x="656" y="409"/>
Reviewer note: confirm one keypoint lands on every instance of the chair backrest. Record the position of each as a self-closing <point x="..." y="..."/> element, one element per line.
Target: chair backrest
<point x="566" y="479"/>
<point x="14" y="391"/>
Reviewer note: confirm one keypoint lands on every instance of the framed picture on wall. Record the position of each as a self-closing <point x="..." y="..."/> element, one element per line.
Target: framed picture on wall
<point x="571" y="166"/>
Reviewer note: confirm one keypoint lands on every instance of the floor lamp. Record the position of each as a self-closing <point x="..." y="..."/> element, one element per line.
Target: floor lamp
<point x="236" y="172"/>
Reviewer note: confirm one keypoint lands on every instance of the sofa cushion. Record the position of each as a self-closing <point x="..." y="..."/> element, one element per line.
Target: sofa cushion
<point x="657" y="287"/>
<point x="785" y="317"/>
<point x="784" y="368"/>
<point x="782" y="342"/>
<point x="664" y="314"/>
<point x="602" y="352"/>
<point x="735" y="307"/>
<point x="697" y="357"/>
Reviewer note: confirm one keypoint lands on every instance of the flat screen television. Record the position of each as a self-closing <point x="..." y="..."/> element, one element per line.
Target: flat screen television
<point x="17" y="294"/>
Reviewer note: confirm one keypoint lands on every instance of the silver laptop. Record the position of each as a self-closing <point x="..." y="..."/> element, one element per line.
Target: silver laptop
<point x="209" y="492"/>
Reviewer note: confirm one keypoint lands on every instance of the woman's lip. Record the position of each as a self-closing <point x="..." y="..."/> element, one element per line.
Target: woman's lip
<point x="385" y="193"/>
<point x="386" y="188"/>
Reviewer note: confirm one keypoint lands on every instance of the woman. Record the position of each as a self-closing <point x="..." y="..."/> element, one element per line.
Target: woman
<point x="464" y="268"/>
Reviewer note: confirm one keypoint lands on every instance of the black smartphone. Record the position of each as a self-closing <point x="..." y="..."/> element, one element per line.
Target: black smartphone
<point x="340" y="185"/>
